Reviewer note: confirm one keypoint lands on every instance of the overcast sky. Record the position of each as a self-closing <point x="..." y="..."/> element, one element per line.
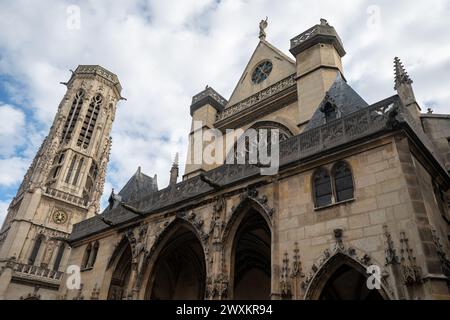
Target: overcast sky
<point x="164" y="52"/>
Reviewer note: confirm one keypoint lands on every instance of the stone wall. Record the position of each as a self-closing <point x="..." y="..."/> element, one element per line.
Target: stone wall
<point x="387" y="215"/>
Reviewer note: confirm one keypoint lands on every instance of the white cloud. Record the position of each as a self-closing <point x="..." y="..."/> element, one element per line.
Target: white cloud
<point x="12" y="170"/>
<point x="3" y="210"/>
<point x="11" y="130"/>
<point x="164" y="52"/>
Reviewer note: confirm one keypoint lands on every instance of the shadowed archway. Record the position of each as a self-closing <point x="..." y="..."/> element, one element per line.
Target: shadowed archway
<point x="179" y="271"/>
<point x="118" y="288"/>
<point x="251" y="258"/>
<point x="342" y="278"/>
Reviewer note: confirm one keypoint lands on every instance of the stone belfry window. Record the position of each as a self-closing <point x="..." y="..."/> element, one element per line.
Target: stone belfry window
<point x="91" y="176"/>
<point x="71" y="168"/>
<point x="77" y="173"/>
<point x="73" y="116"/>
<point x="37" y="246"/>
<point x="57" y="164"/>
<point x="89" y="121"/>
<point x="59" y="256"/>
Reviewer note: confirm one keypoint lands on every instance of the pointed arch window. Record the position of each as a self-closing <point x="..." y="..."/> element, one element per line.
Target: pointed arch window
<point x="93" y="256"/>
<point x="90" y="255"/>
<point x="71" y="167"/>
<point x="343" y="181"/>
<point x="335" y="188"/>
<point x="36" y="248"/>
<point x="59" y="256"/>
<point x="72" y="117"/>
<point x="322" y="188"/>
<point x="89" y="121"/>
<point x="57" y="164"/>
<point x="77" y="173"/>
<point x="86" y="256"/>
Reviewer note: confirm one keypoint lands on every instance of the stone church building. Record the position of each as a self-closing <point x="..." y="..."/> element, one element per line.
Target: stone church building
<point x="358" y="186"/>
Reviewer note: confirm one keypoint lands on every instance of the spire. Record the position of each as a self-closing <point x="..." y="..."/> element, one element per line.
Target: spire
<point x="175" y="160"/>
<point x="401" y="76"/>
<point x="174" y="171"/>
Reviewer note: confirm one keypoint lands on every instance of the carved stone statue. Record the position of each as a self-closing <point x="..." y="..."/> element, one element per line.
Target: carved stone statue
<point x="262" y="25"/>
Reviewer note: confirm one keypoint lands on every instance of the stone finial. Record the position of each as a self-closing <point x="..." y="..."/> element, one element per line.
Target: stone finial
<point x="174" y="171"/>
<point x="175" y="160"/>
<point x="262" y="26"/>
<point x="401" y="76"/>
<point x="323" y="22"/>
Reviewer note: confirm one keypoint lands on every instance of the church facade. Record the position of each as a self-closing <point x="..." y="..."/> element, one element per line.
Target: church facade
<point x="361" y="193"/>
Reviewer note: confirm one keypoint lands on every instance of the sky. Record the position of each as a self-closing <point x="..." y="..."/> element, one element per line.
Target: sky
<point x="164" y="52"/>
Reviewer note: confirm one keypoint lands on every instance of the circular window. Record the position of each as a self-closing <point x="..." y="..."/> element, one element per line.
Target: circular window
<point x="59" y="217"/>
<point x="261" y="72"/>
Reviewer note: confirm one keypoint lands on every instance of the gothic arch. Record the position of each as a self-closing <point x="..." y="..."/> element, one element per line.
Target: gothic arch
<point x="349" y="269"/>
<point x="120" y="265"/>
<point x="176" y="264"/>
<point x="248" y="233"/>
<point x="284" y="133"/>
<point x="249" y="202"/>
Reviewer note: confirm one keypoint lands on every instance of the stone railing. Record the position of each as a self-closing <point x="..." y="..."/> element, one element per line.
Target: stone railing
<point x="257" y="97"/>
<point x="95" y="69"/>
<point x="25" y="270"/>
<point x="209" y="92"/>
<point x="340" y="131"/>
<point x="67" y="197"/>
<point x="302" y="37"/>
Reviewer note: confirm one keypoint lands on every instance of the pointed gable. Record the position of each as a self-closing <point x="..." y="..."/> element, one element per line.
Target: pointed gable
<point x="342" y="97"/>
<point x="282" y="67"/>
<point x="138" y="186"/>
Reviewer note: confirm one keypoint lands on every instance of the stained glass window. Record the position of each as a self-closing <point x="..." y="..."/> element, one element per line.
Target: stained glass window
<point x="322" y="188"/>
<point x="343" y="181"/>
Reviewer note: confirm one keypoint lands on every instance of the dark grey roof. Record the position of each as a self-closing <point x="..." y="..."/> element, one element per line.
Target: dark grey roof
<point x="343" y="97"/>
<point x="138" y="186"/>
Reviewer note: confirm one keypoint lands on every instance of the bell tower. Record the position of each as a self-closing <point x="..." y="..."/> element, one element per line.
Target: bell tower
<point x="64" y="183"/>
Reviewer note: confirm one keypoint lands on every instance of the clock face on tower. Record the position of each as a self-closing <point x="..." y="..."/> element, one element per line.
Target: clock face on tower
<point x="59" y="217"/>
<point x="261" y="72"/>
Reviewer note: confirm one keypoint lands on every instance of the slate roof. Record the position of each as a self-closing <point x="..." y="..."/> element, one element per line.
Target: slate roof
<point x="343" y="97"/>
<point x="138" y="186"/>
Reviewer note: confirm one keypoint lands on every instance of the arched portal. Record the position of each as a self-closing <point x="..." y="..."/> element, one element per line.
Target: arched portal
<point x="251" y="260"/>
<point x="121" y="275"/>
<point x="179" y="271"/>
<point x="342" y="278"/>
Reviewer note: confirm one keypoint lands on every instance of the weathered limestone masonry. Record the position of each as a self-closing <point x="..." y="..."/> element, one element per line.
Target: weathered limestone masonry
<point x="359" y="186"/>
<point x="63" y="186"/>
